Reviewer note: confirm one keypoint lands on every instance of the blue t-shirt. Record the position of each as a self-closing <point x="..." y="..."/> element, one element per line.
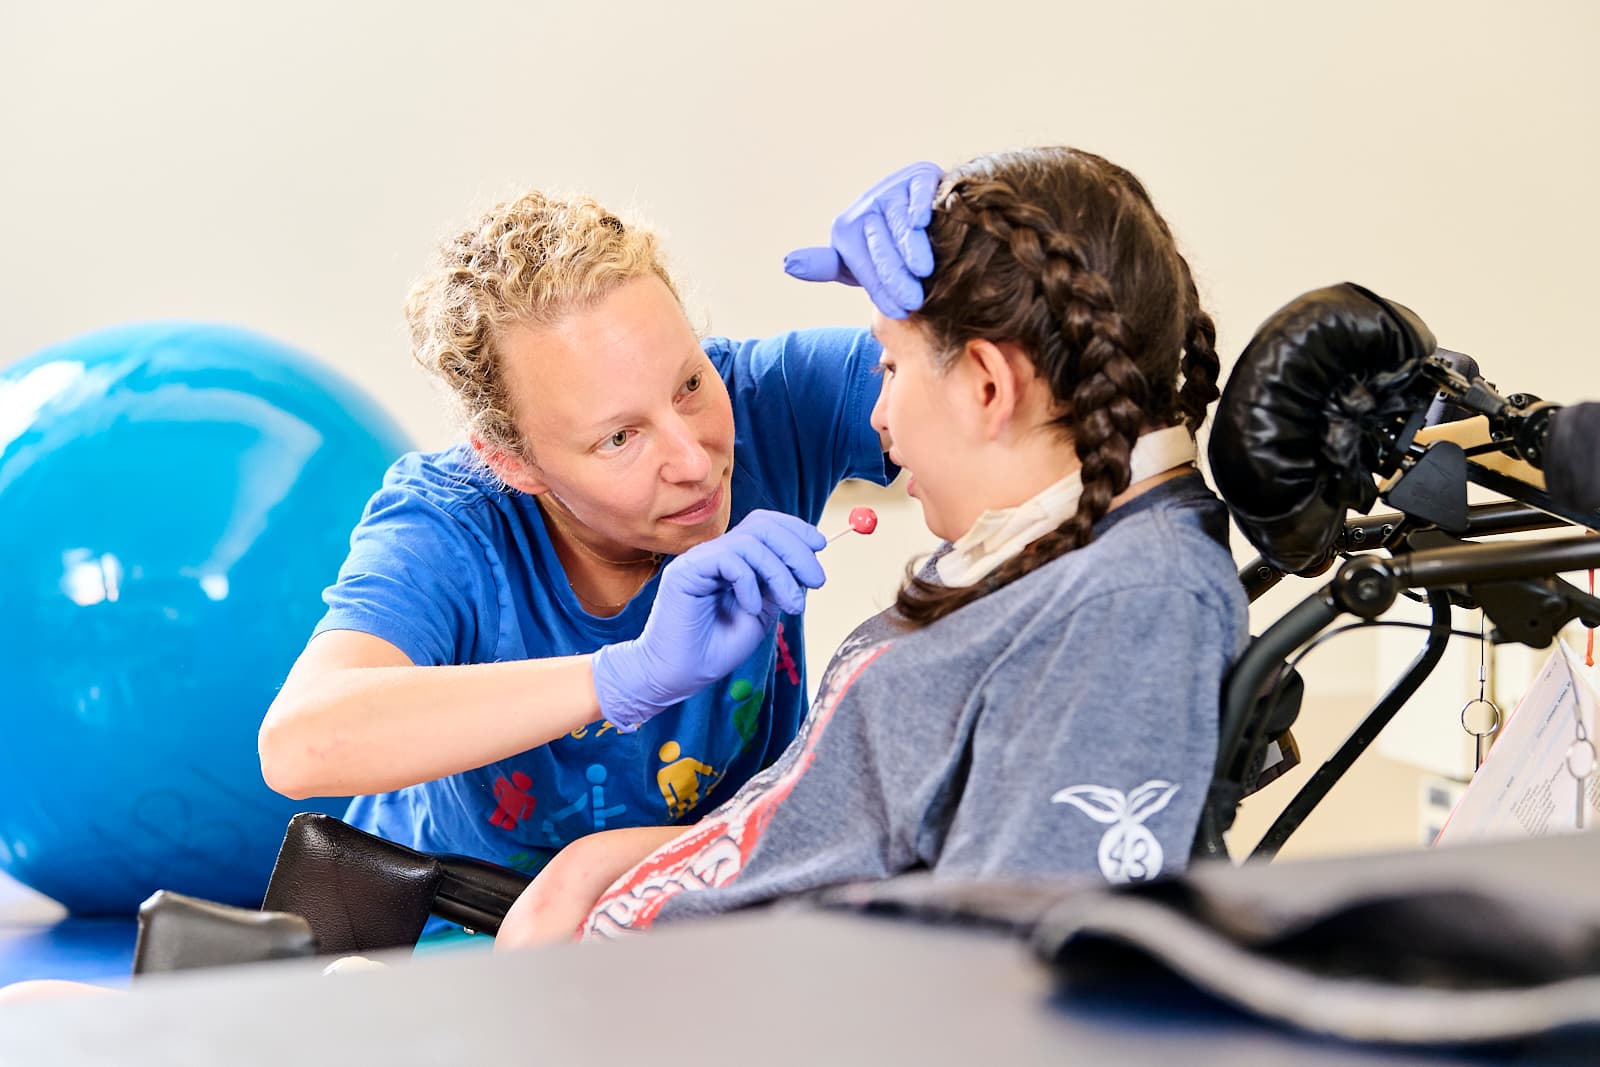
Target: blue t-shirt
<point x="451" y="568"/>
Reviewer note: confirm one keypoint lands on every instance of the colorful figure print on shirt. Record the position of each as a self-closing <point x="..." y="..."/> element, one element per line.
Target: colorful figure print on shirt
<point x="514" y="802"/>
<point x="589" y="811"/>
<point x="746" y="710"/>
<point x="714" y="851"/>
<point x="529" y="861"/>
<point x="680" y="779"/>
<point x="786" y="664"/>
<point x="1129" y="852"/>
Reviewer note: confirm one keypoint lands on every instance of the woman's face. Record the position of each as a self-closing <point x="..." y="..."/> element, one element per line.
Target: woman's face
<point x="921" y="410"/>
<point x="626" y="423"/>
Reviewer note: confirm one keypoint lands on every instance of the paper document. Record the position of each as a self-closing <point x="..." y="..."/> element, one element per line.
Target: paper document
<point x="1524" y="788"/>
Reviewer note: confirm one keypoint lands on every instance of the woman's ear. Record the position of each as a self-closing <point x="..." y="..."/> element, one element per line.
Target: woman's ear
<point x="999" y="374"/>
<point x="509" y="467"/>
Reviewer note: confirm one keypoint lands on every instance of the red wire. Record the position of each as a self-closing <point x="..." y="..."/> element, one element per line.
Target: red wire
<point x="1588" y="655"/>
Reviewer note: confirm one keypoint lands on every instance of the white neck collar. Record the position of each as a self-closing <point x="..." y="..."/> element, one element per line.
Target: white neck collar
<point x="998" y="535"/>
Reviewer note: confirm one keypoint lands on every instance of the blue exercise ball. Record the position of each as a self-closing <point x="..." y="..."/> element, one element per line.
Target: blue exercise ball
<point x="173" y="499"/>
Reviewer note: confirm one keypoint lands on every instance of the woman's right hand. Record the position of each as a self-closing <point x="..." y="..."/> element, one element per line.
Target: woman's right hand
<point x="714" y="605"/>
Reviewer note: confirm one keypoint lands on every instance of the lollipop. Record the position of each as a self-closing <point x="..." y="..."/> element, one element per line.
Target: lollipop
<point x="862" y="521"/>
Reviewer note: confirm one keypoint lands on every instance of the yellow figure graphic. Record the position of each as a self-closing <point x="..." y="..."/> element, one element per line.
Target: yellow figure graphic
<point x="680" y="778"/>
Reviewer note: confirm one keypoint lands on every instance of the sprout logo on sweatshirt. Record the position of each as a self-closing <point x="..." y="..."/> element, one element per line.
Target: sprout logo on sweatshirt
<point x="1129" y="852"/>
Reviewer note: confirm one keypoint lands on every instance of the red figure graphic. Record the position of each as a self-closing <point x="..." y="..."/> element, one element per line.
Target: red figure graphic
<point x="786" y="659"/>
<point x="514" y="799"/>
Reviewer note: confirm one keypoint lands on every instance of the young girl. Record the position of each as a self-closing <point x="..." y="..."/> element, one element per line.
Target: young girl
<point x="1042" y="699"/>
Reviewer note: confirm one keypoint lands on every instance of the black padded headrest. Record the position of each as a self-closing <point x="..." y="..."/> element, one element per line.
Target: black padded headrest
<point x="1298" y="431"/>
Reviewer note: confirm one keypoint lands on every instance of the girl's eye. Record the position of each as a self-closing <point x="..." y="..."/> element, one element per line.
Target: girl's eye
<point x="615" y="441"/>
<point x="693" y="384"/>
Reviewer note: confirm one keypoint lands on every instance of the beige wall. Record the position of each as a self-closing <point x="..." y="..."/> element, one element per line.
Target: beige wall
<point x="287" y="166"/>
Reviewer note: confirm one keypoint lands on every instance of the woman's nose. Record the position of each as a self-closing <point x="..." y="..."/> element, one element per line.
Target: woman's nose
<point x="686" y="458"/>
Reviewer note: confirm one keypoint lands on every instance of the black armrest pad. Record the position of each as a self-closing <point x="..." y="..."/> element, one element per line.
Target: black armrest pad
<point x="177" y="933"/>
<point x="475" y="893"/>
<point x="359" y="892"/>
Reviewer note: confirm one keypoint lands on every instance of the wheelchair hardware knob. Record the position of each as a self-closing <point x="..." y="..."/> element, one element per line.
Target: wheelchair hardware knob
<point x="1364" y="586"/>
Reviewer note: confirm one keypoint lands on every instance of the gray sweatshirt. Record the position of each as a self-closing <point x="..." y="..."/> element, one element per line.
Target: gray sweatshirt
<point x="1063" y="725"/>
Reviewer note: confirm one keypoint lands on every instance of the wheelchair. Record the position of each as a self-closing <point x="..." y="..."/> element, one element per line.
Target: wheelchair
<point x="1341" y="398"/>
<point x="1337" y="389"/>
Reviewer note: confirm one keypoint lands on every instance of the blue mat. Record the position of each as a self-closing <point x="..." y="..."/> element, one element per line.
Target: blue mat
<point x="37" y="940"/>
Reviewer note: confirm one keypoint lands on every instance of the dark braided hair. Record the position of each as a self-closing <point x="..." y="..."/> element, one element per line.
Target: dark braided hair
<point x="1063" y="254"/>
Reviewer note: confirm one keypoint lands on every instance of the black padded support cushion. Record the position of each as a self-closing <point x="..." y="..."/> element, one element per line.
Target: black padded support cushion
<point x="177" y="933"/>
<point x="1290" y="442"/>
<point x="1570" y="472"/>
<point x="358" y="892"/>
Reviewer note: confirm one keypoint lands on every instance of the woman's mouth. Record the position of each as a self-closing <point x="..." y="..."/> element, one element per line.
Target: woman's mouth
<point x="702" y="511"/>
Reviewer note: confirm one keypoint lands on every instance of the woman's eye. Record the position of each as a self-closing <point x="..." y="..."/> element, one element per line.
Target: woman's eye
<point x="693" y="384"/>
<point x="616" y="440"/>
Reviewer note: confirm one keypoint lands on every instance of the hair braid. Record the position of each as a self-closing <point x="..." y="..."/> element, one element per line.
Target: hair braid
<point x="1088" y="344"/>
<point x="1201" y="367"/>
<point x="1105" y="410"/>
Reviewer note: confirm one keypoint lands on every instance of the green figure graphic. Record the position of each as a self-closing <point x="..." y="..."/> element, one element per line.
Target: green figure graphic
<point x="747" y="712"/>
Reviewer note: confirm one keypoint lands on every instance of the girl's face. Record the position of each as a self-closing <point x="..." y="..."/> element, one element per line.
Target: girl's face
<point x="924" y="412"/>
<point x="627" y="424"/>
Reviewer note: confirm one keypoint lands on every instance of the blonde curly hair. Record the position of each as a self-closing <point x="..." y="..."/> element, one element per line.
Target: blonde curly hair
<point x="525" y="262"/>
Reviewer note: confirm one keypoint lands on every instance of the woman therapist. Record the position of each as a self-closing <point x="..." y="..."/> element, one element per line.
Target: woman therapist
<point x="588" y="614"/>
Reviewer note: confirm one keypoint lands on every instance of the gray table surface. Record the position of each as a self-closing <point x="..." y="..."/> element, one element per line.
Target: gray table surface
<point x="770" y="988"/>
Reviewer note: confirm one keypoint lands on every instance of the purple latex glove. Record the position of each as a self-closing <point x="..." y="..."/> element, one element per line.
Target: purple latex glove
<point x="714" y="605"/>
<point x="880" y="243"/>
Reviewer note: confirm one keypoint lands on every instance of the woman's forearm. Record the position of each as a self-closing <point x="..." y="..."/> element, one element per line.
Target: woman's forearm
<point x="368" y="729"/>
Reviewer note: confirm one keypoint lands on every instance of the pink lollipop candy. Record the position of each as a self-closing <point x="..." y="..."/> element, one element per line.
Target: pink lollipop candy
<point x="862" y="521"/>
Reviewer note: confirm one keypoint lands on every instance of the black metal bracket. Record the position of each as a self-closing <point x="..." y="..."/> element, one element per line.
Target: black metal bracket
<point x="1323" y="779"/>
<point x="1386" y="529"/>
<point x="1511" y="575"/>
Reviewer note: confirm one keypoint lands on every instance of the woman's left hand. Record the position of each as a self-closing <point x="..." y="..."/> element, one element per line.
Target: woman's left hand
<point x="880" y="242"/>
